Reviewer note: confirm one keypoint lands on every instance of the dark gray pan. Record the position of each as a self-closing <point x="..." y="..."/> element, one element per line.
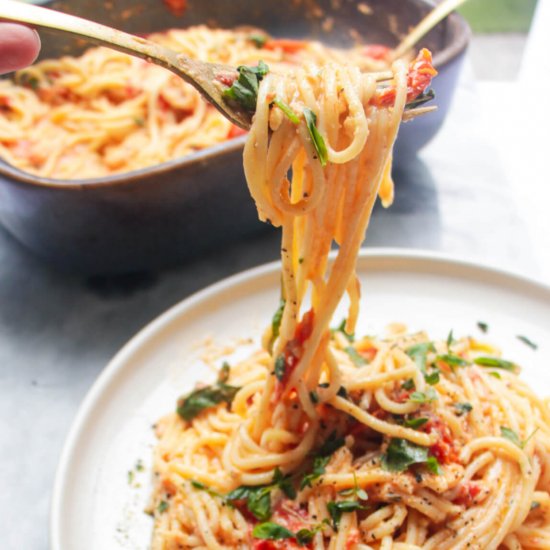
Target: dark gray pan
<point x="165" y="214"/>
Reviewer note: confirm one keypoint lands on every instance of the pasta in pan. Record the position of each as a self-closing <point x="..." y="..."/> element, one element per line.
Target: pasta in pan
<point x="324" y="441"/>
<point x="106" y="112"/>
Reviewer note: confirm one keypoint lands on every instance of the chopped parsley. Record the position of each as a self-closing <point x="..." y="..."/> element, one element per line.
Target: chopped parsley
<point x="316" y="137"/>
<point x="408" y="384"/>
<point x="450" y="340"/>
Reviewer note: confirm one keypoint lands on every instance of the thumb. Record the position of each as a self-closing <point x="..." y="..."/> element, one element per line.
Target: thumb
<point x="19" y="46"/>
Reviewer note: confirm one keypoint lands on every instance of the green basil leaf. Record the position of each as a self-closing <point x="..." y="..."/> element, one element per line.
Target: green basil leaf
<point x="495" y="374"/>
<point x="511" y="436"/>
<point x="484" y="327"/>
<point x="190" y="405"/>
<point x="419" y="353"/>
<point x="408" y="384"/>
<point x="202" y="487"/>
<point x="356" y="491"/>
<point x="527" y="342"/>
<point x="245" y="88"/>
<point x="258" y="39"/>
<point x="355" y="356"/>
<point x="332" y="444"/>
<point x="452" y="360"/>
<point x="415" y="423"/>
<point x="424" y="97"/>
<point x="342" y="392"/>
<point x="259" y="504"/>
<point x="429" y="396"/>
<point x="433" y="465"/>
<point x="319" y="465"/>
<point x="280" y="368"/>
<point x="316" y="138"/>
<point x="304" y="536"/>
<point x="240" y="493"/>
<point x="287" y="110"/>
<point x="463" y="408"/>
<point x="450" y="339"/>
<point x="284" y="483"/>
<point x="342" y="328"/>
<point x="223" y="375"/>
<point x="276" y="323"/>
<point x="336" y="509"/>
<point x="433" y="377"/>
<point x="271" y="531"/>
<point x="162" y="507"/>
<point x="496" y="363"/>
<point x="401" y="454"/>
<point x="258" y="499"/>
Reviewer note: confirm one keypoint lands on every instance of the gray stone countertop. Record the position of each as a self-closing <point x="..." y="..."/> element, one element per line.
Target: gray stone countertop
<point x="58" y="331"/>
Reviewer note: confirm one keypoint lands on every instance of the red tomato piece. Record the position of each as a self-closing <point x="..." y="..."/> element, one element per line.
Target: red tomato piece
<point x="235" y="131"/>
<point x="288" y="45"/>
<point x="376" y="51"/>
<point x="421" y="72"/>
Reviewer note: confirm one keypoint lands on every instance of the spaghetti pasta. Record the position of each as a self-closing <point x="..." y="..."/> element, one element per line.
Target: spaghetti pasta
<point x="324" y="441"/>
<point x="106" y="112"/>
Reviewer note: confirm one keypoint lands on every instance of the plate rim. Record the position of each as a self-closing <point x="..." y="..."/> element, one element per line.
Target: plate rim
<point x="117" y="362"/>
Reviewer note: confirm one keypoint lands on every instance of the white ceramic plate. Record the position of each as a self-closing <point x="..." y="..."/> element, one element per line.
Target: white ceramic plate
<point x="94" y="504"/>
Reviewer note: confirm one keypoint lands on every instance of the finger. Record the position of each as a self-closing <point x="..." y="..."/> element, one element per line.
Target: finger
<point x="19" y="46"/>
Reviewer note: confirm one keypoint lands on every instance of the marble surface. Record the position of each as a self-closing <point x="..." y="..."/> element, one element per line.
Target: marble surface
<point x="58" y="331"/>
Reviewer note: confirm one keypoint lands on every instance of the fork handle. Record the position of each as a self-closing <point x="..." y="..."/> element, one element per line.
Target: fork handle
<point x="12" y="10"/>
